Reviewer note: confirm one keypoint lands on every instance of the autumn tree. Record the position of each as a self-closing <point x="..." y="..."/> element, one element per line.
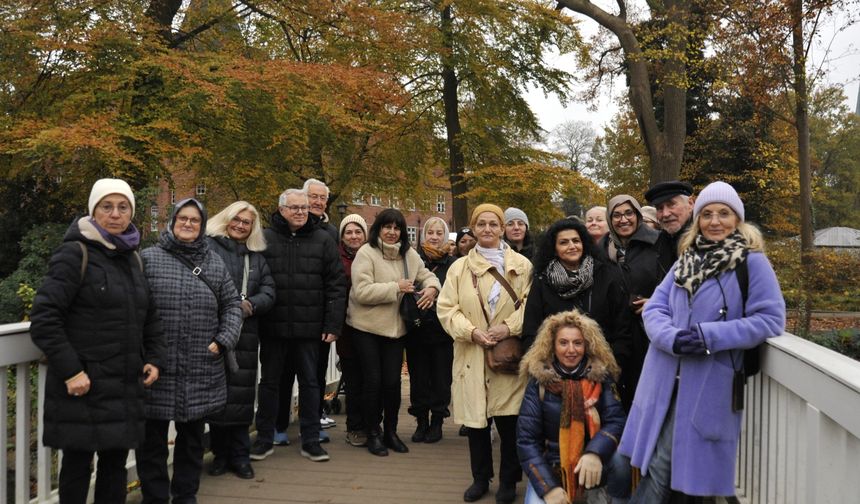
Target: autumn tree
<point x="573" y="140"/>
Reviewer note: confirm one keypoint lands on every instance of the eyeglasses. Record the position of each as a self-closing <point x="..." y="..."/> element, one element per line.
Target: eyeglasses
<point x="297" y="208"/>
<point x="629" y="214"/>
<point x="238" y="220"/>
<point x="182" y="219"/>
<point x="107" y="208"/>
<point x="321" y="197"/>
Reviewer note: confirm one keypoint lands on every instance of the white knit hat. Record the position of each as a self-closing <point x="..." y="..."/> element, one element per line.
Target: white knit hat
<point x="719" y="192"/>
<point x="354" y="219"/>
<point x="512" y="213"/>
<point x="106" y="186"/>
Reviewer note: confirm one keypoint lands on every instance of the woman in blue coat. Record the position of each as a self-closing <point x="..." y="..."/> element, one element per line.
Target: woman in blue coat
<point x="682" y="431"/>
<point x="571" y="416"/>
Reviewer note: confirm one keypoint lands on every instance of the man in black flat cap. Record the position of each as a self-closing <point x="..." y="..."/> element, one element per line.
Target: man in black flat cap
<point x="674" y="203"/>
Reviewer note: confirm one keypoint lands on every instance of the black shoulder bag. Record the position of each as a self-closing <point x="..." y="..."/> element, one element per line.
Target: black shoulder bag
<point x="409" y="311"/>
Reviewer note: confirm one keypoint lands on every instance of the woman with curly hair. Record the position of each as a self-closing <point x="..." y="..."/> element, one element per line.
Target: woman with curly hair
<point x="571" y="417"/>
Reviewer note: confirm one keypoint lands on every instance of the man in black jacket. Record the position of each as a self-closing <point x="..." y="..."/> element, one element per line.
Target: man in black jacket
<point x="674" y="203"/>
<point x="309" y="307"/>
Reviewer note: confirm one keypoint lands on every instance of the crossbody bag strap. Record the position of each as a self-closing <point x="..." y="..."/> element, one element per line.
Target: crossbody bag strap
<point x="480" y="299"/>
<point x="504" y="283"/>
<point x="247" y="270"/>
<point x="198" y="272"/>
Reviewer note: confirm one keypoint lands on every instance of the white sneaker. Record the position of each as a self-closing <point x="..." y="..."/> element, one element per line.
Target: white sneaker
<point x="326" y="422"/>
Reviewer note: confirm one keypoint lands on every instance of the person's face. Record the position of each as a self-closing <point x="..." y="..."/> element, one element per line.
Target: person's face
<point x="624" y="220"/>
<point x="295" y="211"/>
<point x="435" y="235"/>
<point x="239" y="227"/>
<point x="569" y="347"/>
<point x="515" y="230"/>
<point x="390" y="233"/>
<point x="187" y="225"/>
<point x="318" y="199"/>
<point x="113" y="213"/>
<point x="674" y="213"/>
<point x="353" y="236"/>
<point x="716" y="221"/>
<point x="466" y="244"/>
<point x="488" y="229"/>
<point x="595" y="223"/>
<point x="568" y="248"/>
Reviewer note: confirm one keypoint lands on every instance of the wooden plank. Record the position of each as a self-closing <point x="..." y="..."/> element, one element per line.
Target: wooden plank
<point x="4" y="437"/>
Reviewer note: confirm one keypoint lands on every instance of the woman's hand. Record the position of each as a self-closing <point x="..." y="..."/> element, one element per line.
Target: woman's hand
<point x="213" y="347"/>
<point x="150" y="374"/>
<point x="589" y="469"/>
<point x="638" y="305"/>
<point x="428" y="297"/>
<point x="405" y="285"/>
<point x="482" y="338"/>
<point x="499" y="332"/>
<point x="247" y="308"/>
<point x="556" y="496"/>
<point x="78" y="385"/>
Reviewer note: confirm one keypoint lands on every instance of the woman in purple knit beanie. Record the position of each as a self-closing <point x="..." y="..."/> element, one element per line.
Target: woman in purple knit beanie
<point x="682" y="431"/>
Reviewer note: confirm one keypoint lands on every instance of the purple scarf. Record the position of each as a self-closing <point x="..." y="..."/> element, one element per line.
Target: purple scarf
<point x="128" y="240"/>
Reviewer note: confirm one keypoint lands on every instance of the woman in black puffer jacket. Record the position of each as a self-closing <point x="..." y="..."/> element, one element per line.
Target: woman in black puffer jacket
<point x="95" y="320"/>
<point x="201" y="316"/>
<point x="236" y="236"/>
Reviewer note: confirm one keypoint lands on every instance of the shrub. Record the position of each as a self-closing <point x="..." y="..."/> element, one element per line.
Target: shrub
<point x="835" y="277"/>
<point x="36" y="249"/>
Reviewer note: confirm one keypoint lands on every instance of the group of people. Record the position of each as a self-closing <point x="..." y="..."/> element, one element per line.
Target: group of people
<point x="632" y="339"/>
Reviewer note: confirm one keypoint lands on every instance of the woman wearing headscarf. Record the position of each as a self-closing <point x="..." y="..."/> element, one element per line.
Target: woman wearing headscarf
<point x="478" y="313"/>
<point x="630" y="246"/>
<point x="517" y="233"/>
<point x="236" y="236"/>
<point x="571" y="418"/>
<point x="429" y="351"/>
<point x="201" y="316"/>
<point x="353" y="234"/>
<point x="385" y="269"/>
<point x="570" y="272"/>
<point x="96" y="322"/>
<point x="683" y="429"/>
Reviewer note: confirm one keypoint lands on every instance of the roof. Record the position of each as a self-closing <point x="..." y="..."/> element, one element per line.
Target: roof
<point x="843" y="237"/>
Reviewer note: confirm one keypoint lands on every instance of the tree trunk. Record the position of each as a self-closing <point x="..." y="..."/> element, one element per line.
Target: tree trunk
<point x="450" y="100"/>
<point x="162" y="13"/>
<point x="801" y="115"/>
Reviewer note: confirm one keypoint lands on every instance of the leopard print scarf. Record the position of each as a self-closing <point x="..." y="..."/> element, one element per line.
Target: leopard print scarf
<point x="706" y="259"/>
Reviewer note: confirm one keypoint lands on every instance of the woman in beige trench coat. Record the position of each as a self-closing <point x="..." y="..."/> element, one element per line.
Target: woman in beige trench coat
<point x="478" y="393"/>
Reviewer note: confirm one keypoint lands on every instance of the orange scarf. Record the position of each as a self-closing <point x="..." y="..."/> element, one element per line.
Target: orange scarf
<point x="432" y="253"/>
<point x="579" y="422"/>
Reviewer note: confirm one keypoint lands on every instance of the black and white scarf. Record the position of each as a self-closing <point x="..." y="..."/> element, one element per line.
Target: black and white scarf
<point x="706" y="259"/>
<point x="570" y="283"/>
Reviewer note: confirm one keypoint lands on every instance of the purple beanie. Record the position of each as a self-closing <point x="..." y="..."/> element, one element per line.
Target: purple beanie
<point x="719" y="192"/>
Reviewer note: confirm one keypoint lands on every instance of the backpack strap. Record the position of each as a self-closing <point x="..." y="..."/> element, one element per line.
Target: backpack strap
<point x="139" y="260"/>
<point x="85" y="257"/>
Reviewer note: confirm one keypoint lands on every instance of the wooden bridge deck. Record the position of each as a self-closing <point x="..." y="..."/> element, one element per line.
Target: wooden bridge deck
<point x="432" y="473"/>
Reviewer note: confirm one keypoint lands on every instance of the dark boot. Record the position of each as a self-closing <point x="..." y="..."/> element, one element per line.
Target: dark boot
<point x="477" y="490"/>
<point x="392" y="441"/>
<point x="434" y="432"/>
<point x="507" y="493"/>
<point x="375" y="445"/>
<point x="421" y="431"/>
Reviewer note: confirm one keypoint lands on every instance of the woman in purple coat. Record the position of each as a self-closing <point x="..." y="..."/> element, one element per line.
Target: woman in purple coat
<point x="682" y="431"/>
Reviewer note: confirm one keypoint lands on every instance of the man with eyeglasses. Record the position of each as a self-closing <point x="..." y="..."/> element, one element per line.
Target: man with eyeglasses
<point x="674" y="203"/>
<point x="309" y="307"/>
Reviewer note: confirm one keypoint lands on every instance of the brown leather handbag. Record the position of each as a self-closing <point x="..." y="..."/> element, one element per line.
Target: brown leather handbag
<point x="505" y="356"/>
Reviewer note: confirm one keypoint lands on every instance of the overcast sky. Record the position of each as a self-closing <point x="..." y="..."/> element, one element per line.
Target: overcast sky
<point x="841" y="64"/>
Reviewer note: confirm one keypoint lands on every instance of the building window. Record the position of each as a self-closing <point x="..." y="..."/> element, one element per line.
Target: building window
<point x="357" y="198"/>
<point x="153" y="211"/>
<point x="395" y="203"/>
<point x="153" y="224"/>
<point x="201" y="189"/>
<point x="375" y="200"/>
<point x="410" y="204"/>
<point x="412" y="233"/>
<point x="440" y="203"/>
<point x="172" y="197"/>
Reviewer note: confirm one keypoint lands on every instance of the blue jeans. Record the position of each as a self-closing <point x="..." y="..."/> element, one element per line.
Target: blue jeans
<point x="655" y="487"/>
<point x="616" y="477"/>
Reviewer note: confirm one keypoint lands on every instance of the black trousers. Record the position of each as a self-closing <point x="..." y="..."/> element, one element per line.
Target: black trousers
<point x="231" y="443"/>
<point x="111" y="477"/>
<point x="481" y="451"/>
<point x="155" y="482"/>
<point x="350" y="369"/>
<point x="429" y="376"/>
<point x="322" y="368"/>
<point x="381" y="359"/>
<point x="285" y="397"/>
<point x="275" y="355"/>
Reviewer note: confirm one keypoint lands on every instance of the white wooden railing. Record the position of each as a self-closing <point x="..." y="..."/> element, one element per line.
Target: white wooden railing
<point x="18" y="352"/>
<point x="801" y="434"/>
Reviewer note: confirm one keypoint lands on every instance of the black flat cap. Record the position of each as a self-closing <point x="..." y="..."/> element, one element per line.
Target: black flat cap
<point x="663" y="191"/>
